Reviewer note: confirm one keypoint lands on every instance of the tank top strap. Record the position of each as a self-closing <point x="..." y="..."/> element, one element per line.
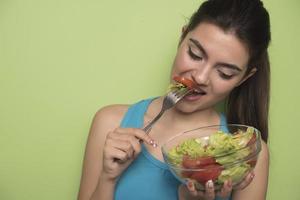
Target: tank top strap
<point x="223" y="123"/>
<point x="134" y="117"/>
<point x="223" y="120"/>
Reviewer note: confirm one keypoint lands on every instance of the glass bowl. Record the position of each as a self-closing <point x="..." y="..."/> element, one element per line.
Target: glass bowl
<point x="216" y="153"/>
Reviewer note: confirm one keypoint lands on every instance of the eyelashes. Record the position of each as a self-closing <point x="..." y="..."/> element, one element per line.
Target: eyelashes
<point x="225" y="76"/>
<point x="193" y="55"/>
<point x="196" y="57"/>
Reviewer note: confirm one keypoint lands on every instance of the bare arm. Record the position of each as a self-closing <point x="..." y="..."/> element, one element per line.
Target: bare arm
<point x="104" y="121"/>
<point x="257" y="189"/>
<point x="109" y="151"/>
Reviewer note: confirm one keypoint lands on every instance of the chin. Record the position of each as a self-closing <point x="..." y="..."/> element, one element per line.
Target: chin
<point x="188" y="107"/>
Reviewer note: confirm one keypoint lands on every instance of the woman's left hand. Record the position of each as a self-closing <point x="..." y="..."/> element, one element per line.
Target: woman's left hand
<point x="189" y="192"/>
<point x="209" y="194"/>
<point x="247" y="180"/>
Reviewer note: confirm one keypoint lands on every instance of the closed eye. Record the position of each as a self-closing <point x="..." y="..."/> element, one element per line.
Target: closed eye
<point x="193" y="55"/>
<point x="225" y="75"/>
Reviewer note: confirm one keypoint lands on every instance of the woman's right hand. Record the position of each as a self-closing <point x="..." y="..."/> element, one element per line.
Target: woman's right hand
<point x="121" y="147"/>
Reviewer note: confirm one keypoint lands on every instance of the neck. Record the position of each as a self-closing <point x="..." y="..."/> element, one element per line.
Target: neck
<point x="191" y="120"/>
<point x="176" y="120"/>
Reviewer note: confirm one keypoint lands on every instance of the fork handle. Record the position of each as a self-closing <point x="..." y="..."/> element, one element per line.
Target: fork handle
<point x="149" y="126"/>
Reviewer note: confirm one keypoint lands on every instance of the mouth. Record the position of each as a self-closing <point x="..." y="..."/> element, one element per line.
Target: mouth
<point x="195" y="94"/>
<point x="198" y="91"/>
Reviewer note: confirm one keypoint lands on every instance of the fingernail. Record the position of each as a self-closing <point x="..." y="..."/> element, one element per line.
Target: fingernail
<point x="252" y="175"/>
<point x="190" y="184"/>
<point x="153" y="143"/>
<point x="210" y="184"/>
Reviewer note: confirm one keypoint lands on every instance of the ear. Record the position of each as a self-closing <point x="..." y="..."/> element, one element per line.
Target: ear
<point x="251" y="73"/>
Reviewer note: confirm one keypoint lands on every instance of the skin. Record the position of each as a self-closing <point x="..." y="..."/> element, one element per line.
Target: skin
<point x="217" y="62"/>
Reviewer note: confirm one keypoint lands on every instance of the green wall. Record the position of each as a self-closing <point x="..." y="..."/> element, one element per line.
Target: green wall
<point x="61" y="60"/>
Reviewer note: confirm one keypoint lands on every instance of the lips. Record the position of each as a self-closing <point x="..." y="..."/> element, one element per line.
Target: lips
<point x="198" y="91"/>
<point x="195" y="95"/>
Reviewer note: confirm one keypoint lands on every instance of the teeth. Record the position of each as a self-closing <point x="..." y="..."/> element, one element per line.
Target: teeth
<point x="198" y="91"/>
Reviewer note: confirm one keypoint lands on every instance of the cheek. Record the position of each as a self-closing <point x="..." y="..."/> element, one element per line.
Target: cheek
<point x="179" y="60"/>
<point x="223" y="88"/>
<point x="177" y="67"/>
<point x="181" y="63"/>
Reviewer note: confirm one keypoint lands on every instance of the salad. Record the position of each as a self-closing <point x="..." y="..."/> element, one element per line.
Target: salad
<point x="183" y="83"/>
<point x="217" y="157"/>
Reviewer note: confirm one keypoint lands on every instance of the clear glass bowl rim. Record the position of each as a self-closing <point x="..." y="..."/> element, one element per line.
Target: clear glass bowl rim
<point x="249" y="157"/>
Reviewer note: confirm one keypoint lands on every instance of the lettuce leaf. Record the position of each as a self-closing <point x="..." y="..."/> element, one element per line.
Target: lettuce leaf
<point x="234" y="173"/>
<point x="192" y="147"/>
<point x="216" y="145"/>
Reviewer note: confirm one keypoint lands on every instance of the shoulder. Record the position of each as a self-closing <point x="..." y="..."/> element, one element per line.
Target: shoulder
<point x="109" y="117"/>
<point x="112" y="111"/>
<point x="105" y="120"/>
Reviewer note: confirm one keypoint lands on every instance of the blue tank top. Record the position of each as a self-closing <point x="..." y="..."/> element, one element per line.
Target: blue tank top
<point x="147" y="178"/>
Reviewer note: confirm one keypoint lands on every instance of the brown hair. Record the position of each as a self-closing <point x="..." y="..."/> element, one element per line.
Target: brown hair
<point x="248" y="103"/>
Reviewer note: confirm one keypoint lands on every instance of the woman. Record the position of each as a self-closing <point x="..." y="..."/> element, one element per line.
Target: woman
<point x="223" y="49"/>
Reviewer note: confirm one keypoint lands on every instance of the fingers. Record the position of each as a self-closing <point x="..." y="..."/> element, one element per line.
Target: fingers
<point x="247" y="180"/>
<point x="209" y="190"/>
<point x="226" y="189"/>
<point x="128" y="143"/>
<point x="121" y="149"/>
<point x="137" y="133"/>
<point x="191" y="187"/>
<point x="209" y="193"/>
<point x="123" y="144"/>
<point x="115" y="153"/>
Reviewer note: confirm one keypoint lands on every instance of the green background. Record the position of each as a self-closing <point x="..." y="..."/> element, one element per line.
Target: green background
<point x="61" y="60"/>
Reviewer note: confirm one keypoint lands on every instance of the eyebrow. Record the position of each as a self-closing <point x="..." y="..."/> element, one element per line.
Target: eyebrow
<point x="228" y="65"/>
<point x="199" y="46"/>
<point x="231" y="66"/>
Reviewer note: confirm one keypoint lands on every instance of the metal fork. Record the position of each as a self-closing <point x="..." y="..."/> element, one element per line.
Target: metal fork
<point x="169" y="101"/>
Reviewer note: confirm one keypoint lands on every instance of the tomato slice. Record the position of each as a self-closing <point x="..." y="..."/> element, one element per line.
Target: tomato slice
<point x="210" y="168"/>
<point x="252" y="140"/>
<point x="210" y="172"/>
<point x="185" y="81"/>
<point x="194" y="163"/>
<point x="252" y="163"/>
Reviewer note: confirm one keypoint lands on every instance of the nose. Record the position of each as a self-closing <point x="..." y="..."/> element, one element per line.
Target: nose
<point x="201" y="75"/>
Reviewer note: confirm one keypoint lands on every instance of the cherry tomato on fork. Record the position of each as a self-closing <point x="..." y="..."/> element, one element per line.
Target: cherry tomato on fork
<point x="185" y="81"/>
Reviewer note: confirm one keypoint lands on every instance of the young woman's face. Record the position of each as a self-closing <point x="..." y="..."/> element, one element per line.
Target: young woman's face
<point x="215" y="60"/>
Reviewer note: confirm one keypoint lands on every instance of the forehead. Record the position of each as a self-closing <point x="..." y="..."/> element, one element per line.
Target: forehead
<point x="220" y="45"/>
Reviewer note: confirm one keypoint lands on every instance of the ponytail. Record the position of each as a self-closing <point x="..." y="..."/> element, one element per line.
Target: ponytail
<point x="249" y="103"/>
